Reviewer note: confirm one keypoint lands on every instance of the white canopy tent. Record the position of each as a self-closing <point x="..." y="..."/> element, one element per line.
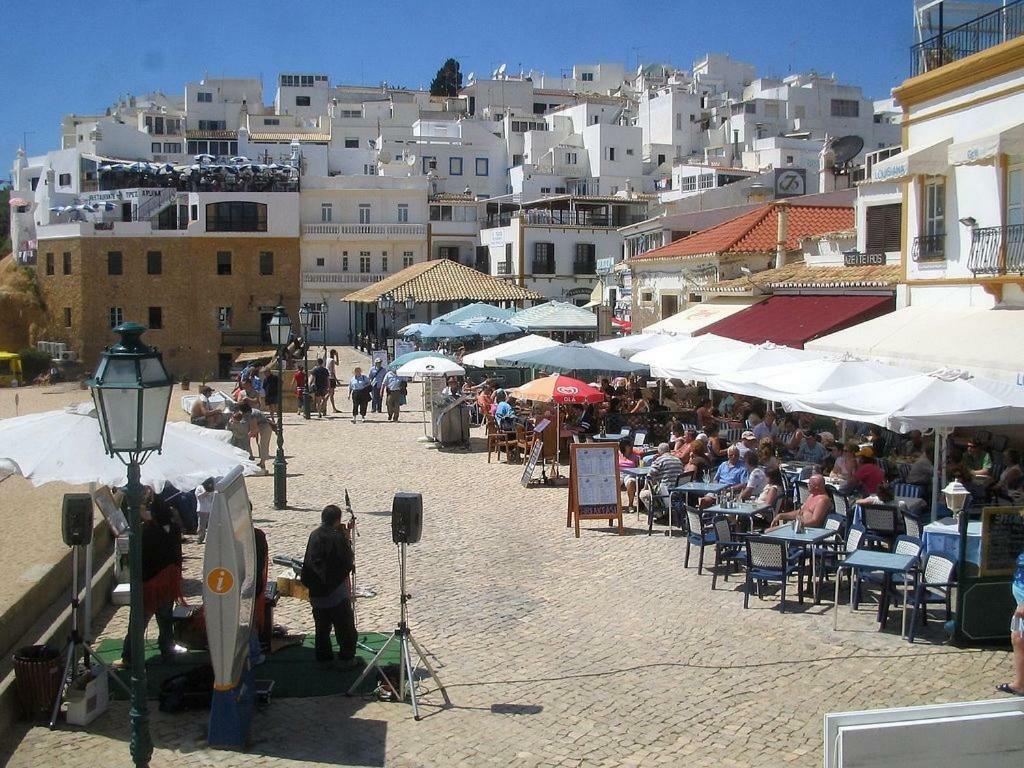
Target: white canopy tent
<point x="627" y="346"/>
<point x="555" y="316"/>
<point x="487" y="358"/>
<point x="733" y="360"/>
<point x="805" y="377"/>
<point x="986" y="342"/>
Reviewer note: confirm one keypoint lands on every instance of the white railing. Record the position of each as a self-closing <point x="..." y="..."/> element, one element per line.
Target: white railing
<point x="365" y="230"/>
<point x="340" y="278"/>
<point x="152" y="205"/>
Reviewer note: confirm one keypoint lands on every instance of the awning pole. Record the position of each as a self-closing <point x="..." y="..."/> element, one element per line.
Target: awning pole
<point x="937" y="457"/>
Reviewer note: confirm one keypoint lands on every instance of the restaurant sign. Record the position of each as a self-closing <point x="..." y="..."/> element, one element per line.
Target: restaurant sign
<point x="858" y="259"/>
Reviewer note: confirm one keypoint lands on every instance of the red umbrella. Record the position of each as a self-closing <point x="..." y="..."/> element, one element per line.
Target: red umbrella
<point x="623" y="324"/>
<point x="560" y="389"/>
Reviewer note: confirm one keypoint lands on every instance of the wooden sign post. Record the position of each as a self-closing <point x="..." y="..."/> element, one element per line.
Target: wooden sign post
<point x="594" y="484"/>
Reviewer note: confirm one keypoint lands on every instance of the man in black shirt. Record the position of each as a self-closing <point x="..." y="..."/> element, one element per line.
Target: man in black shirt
<point x="325" y="572"/>
<point x="321" y="380"/>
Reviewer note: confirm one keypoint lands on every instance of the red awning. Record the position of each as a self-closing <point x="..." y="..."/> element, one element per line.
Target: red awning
<point x="795" y="320"/>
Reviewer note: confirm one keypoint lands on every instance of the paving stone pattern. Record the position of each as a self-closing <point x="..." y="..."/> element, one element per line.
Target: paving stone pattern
<point x="601" y="651"/>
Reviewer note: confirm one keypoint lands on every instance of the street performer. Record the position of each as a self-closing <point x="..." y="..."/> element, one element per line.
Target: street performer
<point x="326" y="567"/>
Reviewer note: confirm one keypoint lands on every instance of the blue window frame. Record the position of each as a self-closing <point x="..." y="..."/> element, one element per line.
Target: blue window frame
<point x="454" y="166"/>
<point x="482" y="166"/>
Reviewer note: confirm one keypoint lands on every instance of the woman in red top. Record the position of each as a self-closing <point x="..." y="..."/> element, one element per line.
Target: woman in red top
<point x="299" y="382"/>
<point x="628" y="460"/>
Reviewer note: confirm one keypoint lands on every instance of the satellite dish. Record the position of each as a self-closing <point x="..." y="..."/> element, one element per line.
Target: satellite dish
<point x="470" y="77"/>
<point x="384" y="156"/>
<point x="410" y="160"/>
<point x="501" y="70"/>
<point x="846" y="148"/>
<point x="371" y="143"/>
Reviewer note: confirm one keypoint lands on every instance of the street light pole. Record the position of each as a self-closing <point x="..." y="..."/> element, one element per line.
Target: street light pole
<point x="132" y="391"/>
<point x="280" y="328"/>
<point x="305" y="312"/>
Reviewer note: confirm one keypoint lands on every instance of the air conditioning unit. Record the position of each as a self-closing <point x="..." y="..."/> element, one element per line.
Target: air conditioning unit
<point x="69" y="356"/>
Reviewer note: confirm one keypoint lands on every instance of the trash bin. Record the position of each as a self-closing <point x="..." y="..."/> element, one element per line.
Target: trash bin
<point x="37" y="676"/>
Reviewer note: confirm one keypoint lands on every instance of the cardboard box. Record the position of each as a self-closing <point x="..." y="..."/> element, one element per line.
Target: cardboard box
<point x="121" y="594"/>
<point x="289" y="586"/>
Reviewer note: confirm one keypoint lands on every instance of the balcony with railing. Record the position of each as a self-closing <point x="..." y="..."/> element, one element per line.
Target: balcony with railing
<point x="997" y="250"/>
<point x="543" y="264"/>
<point x="584" y="265"/>
<point x="929" y="248"/>
<point x="330" y="230"/>
<point x="959" y="42"/>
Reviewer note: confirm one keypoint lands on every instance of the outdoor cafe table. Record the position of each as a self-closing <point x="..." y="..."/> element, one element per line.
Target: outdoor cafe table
<point x="808" y="537"/>
<point x="943" y="537"/>
<point x="700" y="489"/>
<point x="743" y="509"/>
<point x="874" y="560"/>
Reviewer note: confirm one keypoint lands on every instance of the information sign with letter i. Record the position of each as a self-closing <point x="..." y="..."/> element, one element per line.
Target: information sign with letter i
<point x="594" y="484"/>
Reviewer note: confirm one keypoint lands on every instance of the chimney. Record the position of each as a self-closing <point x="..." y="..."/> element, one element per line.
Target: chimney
<point x="782" y="211"/>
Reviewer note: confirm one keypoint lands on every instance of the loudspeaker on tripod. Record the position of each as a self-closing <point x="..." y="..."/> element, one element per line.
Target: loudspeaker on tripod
<point x="76" y="519"/>
<point x="406" y="518"/>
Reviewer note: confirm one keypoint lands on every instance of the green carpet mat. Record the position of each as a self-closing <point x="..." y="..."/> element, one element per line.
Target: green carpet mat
<point x="294" y="670"/>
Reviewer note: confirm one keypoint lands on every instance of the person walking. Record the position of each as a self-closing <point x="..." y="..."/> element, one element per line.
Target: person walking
<point x="376" y="375"/>
<point x="394" y="387"/>
<point x="332" y="370"/>
<point x="326" y="567"/>
<point x="359" y="390"/>
<point x="320" y="384"/>
<point x="272" y="390"/>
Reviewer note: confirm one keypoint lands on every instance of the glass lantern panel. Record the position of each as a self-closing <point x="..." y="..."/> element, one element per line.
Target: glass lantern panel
<point x="120" y="411"/>
<point x="118" y="371"/>
<point x="155" y="401"/>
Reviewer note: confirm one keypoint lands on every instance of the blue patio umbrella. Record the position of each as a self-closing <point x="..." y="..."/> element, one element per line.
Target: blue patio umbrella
<point x="492" y="329"/>
<point x="572" y="358"/>
<point x="401" y="360"/>
<point x="413" y="329"/>
<point x="440" y="331"/>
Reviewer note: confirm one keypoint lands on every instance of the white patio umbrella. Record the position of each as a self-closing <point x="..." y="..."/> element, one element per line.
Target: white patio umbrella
<point x="65" y="446"/>
<point x="627" y="346"/>
<point x="678" y="351"/>
<point x="487" y="358"/>
<point x="430" y="366"/>
<point x="734" y="360"/>
<point x="945" y="398"/>
<point x="805" y="377"/>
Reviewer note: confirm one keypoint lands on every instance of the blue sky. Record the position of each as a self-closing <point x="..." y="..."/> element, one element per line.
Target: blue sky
<point x="68" y="57"/>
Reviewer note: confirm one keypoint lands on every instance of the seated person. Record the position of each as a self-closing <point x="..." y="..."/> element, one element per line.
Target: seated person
<point x="640" y="404"/>
<point x="921" y="471"/>
<point x="846" y="464"/>
<point x="978" y="462"/>
<point x="614" y="421"/>
<point x="504" y="413"/>
<point x="769" y="495"/>
<point x="811" y="450"/>
<point x="812" y="513"/>
<point x="757" y="478"/>
<point x="665" y="468"/>
<point x="204" y="414"/>
<point x="732" y="472"/>
<point x="698" y="460"/>
<point x="747" y="443"/>
<point x="766" y="428"/>
<point x="796" y="435"/>
<point x="716" y="445"/>
<point x="768" y="454"/>
<point x="684" y="445"/>
<point x="868" y="476"/>
<point x="628" y="460"/>
<point x="707" y="417"/>
<point x="883" y="495"/>
<point x="1012" y="476"/>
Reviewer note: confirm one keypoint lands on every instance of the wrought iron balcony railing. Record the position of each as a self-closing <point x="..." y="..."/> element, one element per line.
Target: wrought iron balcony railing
<point x="997" y="250"/>
<point x="974" y="36"/>
<point x="929" y="248"/>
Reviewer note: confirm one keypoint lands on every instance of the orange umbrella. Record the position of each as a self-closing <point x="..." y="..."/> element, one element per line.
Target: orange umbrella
<point x="558" y="388"/>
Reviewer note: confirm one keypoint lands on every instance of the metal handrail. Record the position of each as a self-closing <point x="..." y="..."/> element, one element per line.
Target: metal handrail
<point x="978" y="34"/>
<point x="929" y="248"/>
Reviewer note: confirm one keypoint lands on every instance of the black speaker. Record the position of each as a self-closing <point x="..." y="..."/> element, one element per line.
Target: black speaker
<point x="76" y="519"/>
<point x="407" y="518"/>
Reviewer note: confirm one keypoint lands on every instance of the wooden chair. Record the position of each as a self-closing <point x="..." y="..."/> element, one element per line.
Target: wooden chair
<point x="498" y="441"/>
<point x="523" y="441"/>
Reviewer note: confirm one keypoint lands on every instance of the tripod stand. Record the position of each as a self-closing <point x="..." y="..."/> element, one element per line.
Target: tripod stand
<point x="76" y="641"/>
<point x="403" y="636"/>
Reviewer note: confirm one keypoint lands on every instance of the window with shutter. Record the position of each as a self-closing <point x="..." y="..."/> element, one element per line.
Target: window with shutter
<point x="883" y="224"/>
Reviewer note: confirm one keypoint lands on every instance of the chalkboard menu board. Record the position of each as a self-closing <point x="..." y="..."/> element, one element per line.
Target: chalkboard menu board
<point x="531" y="463"/>
<point x="1002" y="540"/>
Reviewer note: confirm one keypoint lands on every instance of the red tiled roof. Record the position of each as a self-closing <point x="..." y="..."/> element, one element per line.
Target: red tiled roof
<point x="756" y="232"/>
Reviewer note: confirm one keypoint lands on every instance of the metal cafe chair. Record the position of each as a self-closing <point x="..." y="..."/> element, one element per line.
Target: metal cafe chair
<point x="768" y="560"/>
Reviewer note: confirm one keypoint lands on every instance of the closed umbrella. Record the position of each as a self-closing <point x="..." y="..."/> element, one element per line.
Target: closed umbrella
<point x="65" y="446"/>
<point x="570" y="358"/>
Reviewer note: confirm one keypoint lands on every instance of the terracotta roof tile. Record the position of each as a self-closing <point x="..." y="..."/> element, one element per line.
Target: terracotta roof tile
<point x="443" y="280"/>
<point x="756" y="232"/>
<point x="802" y="276"/>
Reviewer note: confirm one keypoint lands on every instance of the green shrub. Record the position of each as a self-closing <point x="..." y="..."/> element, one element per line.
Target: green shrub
<point x="33" y="362"/>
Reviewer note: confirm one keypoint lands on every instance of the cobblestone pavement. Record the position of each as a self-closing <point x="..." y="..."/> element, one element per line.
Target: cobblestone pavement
<point x="601" y="651"/>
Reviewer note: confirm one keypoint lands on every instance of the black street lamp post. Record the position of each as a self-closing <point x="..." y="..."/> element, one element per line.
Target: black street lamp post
<point x="305" y="314"/>
<point x="132" y="390"/>
<point x="280" y="328"/>
<point x="386" y="304"/>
